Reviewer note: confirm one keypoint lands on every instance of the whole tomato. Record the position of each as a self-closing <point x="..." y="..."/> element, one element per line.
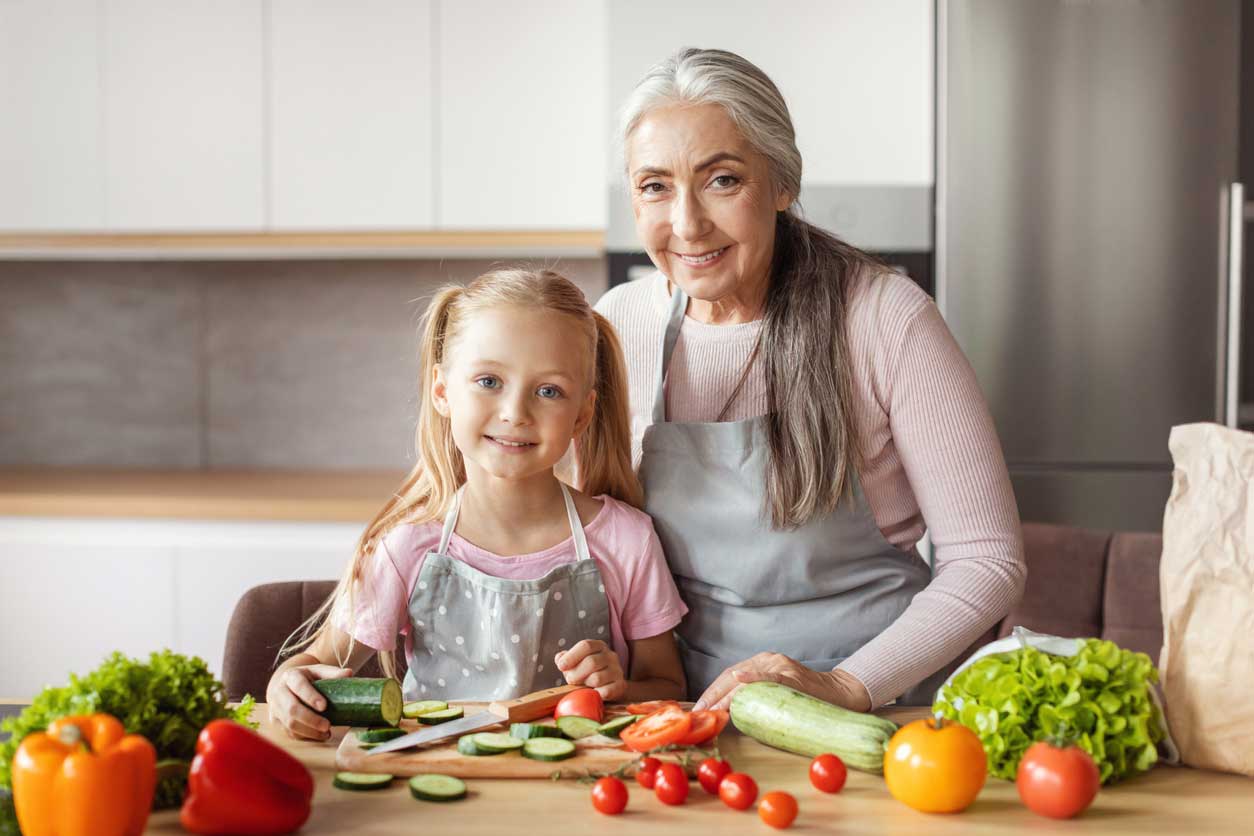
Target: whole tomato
<point x="778" y="809"/>
<point x="585" y="702"/>
<point x="609" y="795"/>
<point x="671" y="786"/>
<point x="646" y="776"/>
<point x="711" y="773"/>
<point x="935" y="765"/>
<point x="738" y="791"/>
<point x="828" y="773"/>
<point x="1057" y="781"/>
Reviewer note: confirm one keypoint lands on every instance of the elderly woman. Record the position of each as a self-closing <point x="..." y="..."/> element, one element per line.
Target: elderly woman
<point x="799" y="411"/>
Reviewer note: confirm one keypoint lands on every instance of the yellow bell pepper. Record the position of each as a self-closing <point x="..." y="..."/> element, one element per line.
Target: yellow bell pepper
<point x="84" y="776"/>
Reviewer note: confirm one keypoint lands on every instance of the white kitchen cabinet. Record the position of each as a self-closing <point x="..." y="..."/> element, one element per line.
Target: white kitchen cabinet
<point x="523" y="134"/>
<point x="51" y="176"/>
<point x="184" y="115"/>
<point x="350" y="129"/>
<point x="74" y="590"/>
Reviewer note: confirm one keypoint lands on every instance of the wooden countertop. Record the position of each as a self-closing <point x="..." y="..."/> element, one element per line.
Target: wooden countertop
<point x="1165" y="800"/>
<point x="323" y="496"/>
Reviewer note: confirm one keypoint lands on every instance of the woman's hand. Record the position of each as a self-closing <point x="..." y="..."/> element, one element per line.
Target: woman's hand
<point x="294" y="702"/>
<point x="594" y="664"/>
<point x="833" y="686"/>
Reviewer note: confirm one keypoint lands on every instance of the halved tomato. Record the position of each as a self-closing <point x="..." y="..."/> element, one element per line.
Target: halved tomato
<point x="650" y="706"/>
<point x="670" y="725"/>
<point x="705" y="727"/>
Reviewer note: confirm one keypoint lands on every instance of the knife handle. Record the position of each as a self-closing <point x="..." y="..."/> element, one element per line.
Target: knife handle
<point x="531" y="706"/>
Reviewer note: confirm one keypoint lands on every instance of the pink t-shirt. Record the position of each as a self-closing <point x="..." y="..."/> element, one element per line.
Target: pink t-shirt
<point x="642" y="596"/>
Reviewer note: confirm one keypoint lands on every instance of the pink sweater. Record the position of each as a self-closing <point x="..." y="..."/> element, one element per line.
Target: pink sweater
<point x="932" y="458"/>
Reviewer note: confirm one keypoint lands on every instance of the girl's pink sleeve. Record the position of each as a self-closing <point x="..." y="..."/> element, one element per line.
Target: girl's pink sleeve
<point x="379" y="610"/>
<point x="653" y="605"/>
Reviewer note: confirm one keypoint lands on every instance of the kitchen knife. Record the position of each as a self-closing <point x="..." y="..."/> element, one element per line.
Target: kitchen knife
<point x="525" y="708"/>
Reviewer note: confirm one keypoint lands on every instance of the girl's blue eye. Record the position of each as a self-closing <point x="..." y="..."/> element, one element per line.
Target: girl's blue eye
<point x="549" y="392"/>
<point x="489" y="382"/>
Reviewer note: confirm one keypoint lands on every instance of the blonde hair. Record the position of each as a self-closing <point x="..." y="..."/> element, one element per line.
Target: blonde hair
<point x="602" y="450"/>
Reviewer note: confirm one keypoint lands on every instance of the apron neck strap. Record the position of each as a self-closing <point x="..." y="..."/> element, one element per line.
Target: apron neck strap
<point x="572" y="517"/>
<point x="675" y="321"/>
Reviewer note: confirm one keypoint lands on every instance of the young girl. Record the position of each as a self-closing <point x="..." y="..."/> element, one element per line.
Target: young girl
<point x="502" y="579"/>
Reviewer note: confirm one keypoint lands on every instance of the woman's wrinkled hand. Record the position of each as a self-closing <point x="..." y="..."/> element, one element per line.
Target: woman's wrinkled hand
<point x="294" y="702"/>
<point x="836" y="687"/>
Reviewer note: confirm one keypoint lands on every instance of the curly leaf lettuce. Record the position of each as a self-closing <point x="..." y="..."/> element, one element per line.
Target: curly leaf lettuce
<point x="1100" y="697"/>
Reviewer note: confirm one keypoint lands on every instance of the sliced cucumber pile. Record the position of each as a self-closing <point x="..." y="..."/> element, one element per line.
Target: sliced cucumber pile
<point x="614" y="727"/>
<point x="434" y="718"/>
<point x="548" y="748"/>
<point x="382" y="735"/>
<point x="359" y="781"/>
<point x="413" y="710"/>
<point x="526" y="731"/>
<point x="437" y="788"/>
<point x="577" y="727"/>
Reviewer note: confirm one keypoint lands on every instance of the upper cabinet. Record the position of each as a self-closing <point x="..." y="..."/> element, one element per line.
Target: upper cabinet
<point x="351" y="130"/>
<point x="522" y="101"/>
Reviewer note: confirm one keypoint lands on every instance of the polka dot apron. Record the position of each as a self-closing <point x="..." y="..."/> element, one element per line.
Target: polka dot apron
<point x="479" y="637"/>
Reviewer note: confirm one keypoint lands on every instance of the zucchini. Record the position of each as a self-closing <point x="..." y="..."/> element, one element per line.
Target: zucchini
<point x="548" y="749"/>
<point x="434" y="718"/>
<point x="614" y="727"/>
<point x="577" y="727"/>
<point x="360" y="781"/>
<point x="437" y="788"/>
<point x="412" y="710"/>
<point x="380" y="735"/>
<point x="787" y="719"/>
<point x="526" y="731"/>
<point x="358" y="701"/>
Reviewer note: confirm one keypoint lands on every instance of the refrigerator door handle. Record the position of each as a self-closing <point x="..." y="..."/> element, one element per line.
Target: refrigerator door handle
<point x="1230" y="306"/>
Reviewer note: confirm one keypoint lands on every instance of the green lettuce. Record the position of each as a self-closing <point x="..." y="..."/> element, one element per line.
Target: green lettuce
<point x="1100" y="697"/>
<point x="167" y="699"/>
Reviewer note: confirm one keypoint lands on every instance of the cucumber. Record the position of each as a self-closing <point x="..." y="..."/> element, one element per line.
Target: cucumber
<point x="466" y="746"/>
<point x="614" y="727"/>
<point x="437" y="788"/>
<point x="787" y="719"/>
<point x="380" y="735"/>
<point x="434" y="718"/>
<point x="577" y="727"/>
<point x="412" y="710"/>
<point x="357" y="701"/>
<point x="495" y="742"/>
<point x="360" y="781"/>
<point x="548" y="749"/>
<point x="526" y="731"/>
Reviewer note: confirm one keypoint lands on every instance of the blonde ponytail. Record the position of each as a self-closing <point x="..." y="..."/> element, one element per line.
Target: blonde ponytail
<point x="604" y="450"/>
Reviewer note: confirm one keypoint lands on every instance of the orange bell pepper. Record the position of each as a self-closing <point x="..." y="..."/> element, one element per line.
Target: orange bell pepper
<point x="84" y="776"/>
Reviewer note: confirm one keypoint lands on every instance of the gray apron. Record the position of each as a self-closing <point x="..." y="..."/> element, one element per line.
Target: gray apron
<point x="816" y="593"/>
<point x="480" y="637"/>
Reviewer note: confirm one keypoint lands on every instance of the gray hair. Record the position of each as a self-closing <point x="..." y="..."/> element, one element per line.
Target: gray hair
<point x="811" y="431"/>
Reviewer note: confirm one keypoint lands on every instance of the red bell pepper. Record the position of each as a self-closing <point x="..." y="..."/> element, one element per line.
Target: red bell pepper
<point x="240" y="783"/>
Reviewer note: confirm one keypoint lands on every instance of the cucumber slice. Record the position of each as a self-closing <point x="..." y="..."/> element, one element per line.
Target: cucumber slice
<point x="434" y="718"/>
<point x="548" y="748"/>
<point x="577" y="727"/>
<point x="614" y="727"/>
<point x="496" y="742"/>
<point x="413" y="710"/>
<point x="360" y="781"/>
<point x="437" y="788"/>
<point x="466" y="746"/>
<point x="358" y="701"/>
<point x="379" y="735"/>
<point x="526" y="731"/>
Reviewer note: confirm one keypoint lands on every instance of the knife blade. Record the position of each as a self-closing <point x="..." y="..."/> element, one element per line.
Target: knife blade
<point x="520" y="710"/>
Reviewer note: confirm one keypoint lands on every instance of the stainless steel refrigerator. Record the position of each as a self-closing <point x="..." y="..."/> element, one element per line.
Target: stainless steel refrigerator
<point x="1087" y="253"/>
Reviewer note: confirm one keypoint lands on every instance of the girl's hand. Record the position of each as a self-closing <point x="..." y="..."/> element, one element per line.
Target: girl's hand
<point x="594" y="664"/>
<point x="836" y="686"/>
<point x="294" y="702"/>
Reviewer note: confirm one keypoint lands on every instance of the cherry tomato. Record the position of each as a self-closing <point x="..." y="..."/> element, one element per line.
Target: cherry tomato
<point x="585" y="702"/>
<point x="609" y="795"/>
<point x="711" y="773"/>
<point x="1057" y="782"/>
<point x="828" y="773"/>
<point x="647" y="774"/>
<point x="778" y="809"/>
<point x="672" y="784"/>
<point x="706" y="726"/>
<point x="670" y="725"/>
<point x="738" y="791"/>
<point x="935" y="765"/>
<point x="651" y="706"/>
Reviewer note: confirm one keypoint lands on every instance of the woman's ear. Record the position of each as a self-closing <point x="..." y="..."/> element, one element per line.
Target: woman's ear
<point x="586" y="413"/>
<point x="782" y="200"/>
<point x="439" y="390"/>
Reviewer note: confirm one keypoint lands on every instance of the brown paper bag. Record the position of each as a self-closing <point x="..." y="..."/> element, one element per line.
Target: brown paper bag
<point x="1207" y="581"/>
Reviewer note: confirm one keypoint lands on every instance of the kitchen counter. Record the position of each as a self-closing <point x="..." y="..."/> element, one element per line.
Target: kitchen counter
<point x="1166" y="800"/>
<point x="323" y="496"/>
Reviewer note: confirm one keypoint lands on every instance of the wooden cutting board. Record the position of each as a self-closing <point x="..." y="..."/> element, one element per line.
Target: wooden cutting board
<point x="596" y="754"/>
